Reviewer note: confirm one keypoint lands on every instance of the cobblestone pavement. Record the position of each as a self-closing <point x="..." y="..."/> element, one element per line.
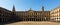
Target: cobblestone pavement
<point x="34" y="23"/>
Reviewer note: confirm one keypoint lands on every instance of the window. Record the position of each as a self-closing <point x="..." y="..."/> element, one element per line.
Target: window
<point x="59" y="10"/>
<point x="0" y="11"/>
<point x="0" y="14"/>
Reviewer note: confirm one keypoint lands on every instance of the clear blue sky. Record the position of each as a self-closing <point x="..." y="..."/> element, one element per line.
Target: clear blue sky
<point x="24" y="5"/>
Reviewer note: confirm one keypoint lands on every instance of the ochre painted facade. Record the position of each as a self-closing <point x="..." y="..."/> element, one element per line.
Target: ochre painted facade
<point x="30" y="15"/>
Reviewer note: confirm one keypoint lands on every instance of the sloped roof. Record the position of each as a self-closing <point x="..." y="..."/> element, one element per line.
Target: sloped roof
<point x="56" y="8"/>
<point x="28" y="11"/>
<point x="4" y="9"/>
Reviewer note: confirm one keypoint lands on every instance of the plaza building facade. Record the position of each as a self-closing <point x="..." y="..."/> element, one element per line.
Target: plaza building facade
<point x="30" y="15"/>
<point x="55" y="14"/>
<point x="4" y="15"/>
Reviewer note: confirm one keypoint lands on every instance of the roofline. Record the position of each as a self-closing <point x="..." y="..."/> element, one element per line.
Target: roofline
<point x="5" y="9"/>
<point x="56" y="8"/>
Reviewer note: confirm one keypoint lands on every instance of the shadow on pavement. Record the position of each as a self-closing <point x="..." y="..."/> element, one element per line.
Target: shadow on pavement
<point x="2" y="24"/>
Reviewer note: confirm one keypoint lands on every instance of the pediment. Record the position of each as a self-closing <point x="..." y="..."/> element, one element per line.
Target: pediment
<point x="31" y="11"/>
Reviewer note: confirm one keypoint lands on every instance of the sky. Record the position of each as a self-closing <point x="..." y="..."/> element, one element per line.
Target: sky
<point x="25" y="5"/>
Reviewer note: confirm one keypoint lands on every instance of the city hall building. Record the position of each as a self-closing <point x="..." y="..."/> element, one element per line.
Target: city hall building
<point x="30" y="15"/>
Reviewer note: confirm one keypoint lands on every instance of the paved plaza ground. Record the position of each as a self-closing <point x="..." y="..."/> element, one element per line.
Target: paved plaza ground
<point x="34" y="23"/>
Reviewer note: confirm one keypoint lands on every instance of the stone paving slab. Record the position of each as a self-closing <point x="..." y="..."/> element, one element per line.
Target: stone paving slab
<point x="34" y="23"/>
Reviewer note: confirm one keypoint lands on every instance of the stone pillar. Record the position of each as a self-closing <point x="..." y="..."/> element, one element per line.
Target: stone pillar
<point x="41" y="19"/>
<point x="31" y="19"/>
<point x="25" y="19"/>
<point x="35" y="19"/>
<point x="2" y="19"/>
<point x="6" y="20"/>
